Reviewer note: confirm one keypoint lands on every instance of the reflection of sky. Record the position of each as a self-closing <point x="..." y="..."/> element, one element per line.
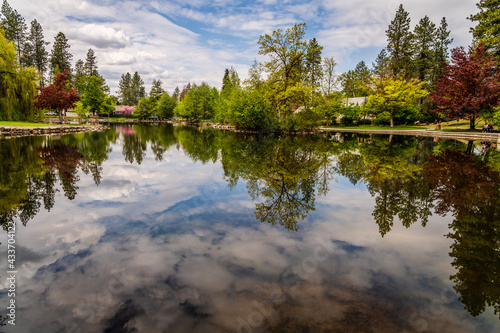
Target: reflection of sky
<point x="166" y="246"/>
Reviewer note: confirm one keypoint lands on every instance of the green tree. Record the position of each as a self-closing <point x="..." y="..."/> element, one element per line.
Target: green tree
<point x="400" y="44"/>
<point x="230" y="82"/>
<point x="145" y="108"/>
<point x="78" y="73"/>
<point x="94" y="95"/>
<point x="38" y="56"/>
<point x="17" y="85"/>
<point x="156" y="90"/>
<point x="125" y="89"/>
<point x="394" y="95"/>
<point x="199" y="103"/>
<point x="60" y="58"/>
<point x="442" y="43"/>
<point x="488" y="28"/>
<point x="313" y="68"/>
<point x="357" y="82"/>
<point x="176" y="94"/>
<point x="137" y="90"/>
<point x="15" y="28"/>
<point x="248" y="109"/>
<point x="166" y="106"/>
<point x="90" y="66"/>
<point x="424" y="36"/>
<point x="381" y="65"/>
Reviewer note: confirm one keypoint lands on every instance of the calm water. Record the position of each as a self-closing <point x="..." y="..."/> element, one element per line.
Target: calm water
<point x="174" y="229"/>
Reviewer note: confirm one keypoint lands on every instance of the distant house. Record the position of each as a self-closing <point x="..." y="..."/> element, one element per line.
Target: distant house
<point x="359" y="101"/>
<point x="121" y="110"/>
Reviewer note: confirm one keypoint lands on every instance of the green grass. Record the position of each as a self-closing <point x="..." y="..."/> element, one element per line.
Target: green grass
<point x="22" y="124"/>
<point x="382" y="128"/>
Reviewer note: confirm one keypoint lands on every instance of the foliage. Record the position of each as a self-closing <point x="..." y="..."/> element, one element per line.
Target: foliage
<point x="58" y="95"/>
<point x="166" y="105"/>
<point x="17" y="85"/>
<point x="487" y="30"/>
<point x="15" y="29"/>
<point x="90" y="66"/>
<point x="37" y="55"/>
<point x="357" y="82"/>
<point x="199" y="103"/>
<point x="60" y="58"/>
<point x="469" y="86"/>
<point x="248" y="109"/>
<point x="145" y="108"/>
<point x="156" y="90"/>
<point x="400" y="43"/>
<point x="394" y="95"/>
<point x="94" y="95"/>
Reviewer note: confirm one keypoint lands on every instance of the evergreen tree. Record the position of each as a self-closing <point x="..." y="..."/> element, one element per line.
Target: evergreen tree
<point x="156" y="90"/>
<point x="424" y="36"/>
<point x="137" y="90"/>
<point x="60" y="58"/>
<point x="400" y="43"/>
<point x="381" y="65"/>
<point x="184" y="91"/>
<point x="230" y="82"/>
<point x="78" y="74"/>
<point x="176" y="94"/>
<point x="313" y="68"/>
<point x="91" y="64"/>
<point x="488" y="27"/>
<point x="38" y="55"/>
<point x="125" y="89"/>
<point x="443" y="40"/>
<point x="15" y="27"/>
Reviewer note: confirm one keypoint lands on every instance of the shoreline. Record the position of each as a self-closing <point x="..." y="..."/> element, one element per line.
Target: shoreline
<point x="18" y="131"/>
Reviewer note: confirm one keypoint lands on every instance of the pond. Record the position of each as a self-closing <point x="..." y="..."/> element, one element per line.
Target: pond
<point x="181" y="229"/>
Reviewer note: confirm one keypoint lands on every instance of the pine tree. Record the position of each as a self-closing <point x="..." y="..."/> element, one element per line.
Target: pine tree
<point x="60" y="58"/>
<point x="176" y="93"/>
<point x="14" y="27"/>
<point x="91" y="64"/>
<point x="137" y="90"/>
<point x="424" y="36"/>
<point x="78" y="74"/>
<point x="400" y="43"/>
<point x="488" y="27"/>
<point x="156" y="90"/>
<point x="313" y="68"/>
<point x="38" y="55"/>
<point x="184" y="91"/>
<point x="230" y="81"/>
<point x="125" y="89"/>
<point x="443" y="40"/>
<point x="381" y="65"/>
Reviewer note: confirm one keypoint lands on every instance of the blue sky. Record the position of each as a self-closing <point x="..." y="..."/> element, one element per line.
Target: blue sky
<point x="195" y="40"/>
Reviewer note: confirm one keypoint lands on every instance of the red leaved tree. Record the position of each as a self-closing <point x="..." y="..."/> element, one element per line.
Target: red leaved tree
<point x="58" y="95"/>
<point x="469" y="86"/>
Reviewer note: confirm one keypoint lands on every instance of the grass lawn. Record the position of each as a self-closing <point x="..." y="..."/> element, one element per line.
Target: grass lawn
<point x="382" y="128"/>
<point x="22" y="124"/>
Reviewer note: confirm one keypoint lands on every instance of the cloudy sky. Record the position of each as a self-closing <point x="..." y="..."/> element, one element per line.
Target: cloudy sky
<point x="181" y="41"/>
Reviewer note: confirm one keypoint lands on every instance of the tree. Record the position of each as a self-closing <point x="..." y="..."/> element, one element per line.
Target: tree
<point x="230" y="82"/>
<point x="145" y="108"/>
<point x="381" y="65"/>
<point x="94" y="95"/>
<point x="313" y="68"/>
<point x="488" y="28"/>
<point x="469" y="86"/>
<point x="137" y="90"/>
<point x="91" y="64"/>
<point x="156" y="90"/>
<point x="357" y="82"/>
<point x="248" y="109"/>
<point x="58" y="95"/>
<point x="15" y="28"/>
<point x="400" y="43"/>
<point x="78" y="74"/>
<point x="329" y="78"/>
<point x="176" y="94"/>
<point x="442" y="42"/>
<point x="199" y="103"/>
<point x="393" y="95"/>
<point x="424" y="36"/>
<point x="60" y="58"/>
<point x="166" y="106"/>
<point x="38" y="57"/>
<point x="125" y="89"/>
<point x="17" y="84"/>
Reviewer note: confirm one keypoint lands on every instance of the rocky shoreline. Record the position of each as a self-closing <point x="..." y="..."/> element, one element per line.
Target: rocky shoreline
<point x="13" y="131"/>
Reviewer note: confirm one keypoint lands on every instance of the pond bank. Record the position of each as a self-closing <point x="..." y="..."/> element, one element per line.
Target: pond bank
<point x="490" y="137"/>
<point x="15" y="131"/>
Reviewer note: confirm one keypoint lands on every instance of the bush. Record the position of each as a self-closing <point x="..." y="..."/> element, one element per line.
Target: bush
<point x="248" y="109"/>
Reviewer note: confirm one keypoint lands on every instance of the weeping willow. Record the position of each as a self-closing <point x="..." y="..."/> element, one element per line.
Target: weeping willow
<point x="17" y="85"/>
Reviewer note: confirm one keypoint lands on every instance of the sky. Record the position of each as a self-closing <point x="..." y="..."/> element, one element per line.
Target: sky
<point x="181" y="41"/>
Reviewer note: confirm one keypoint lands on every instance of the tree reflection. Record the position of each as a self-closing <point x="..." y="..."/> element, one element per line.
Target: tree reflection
<point x="282" y="174"/>
<point x="468" y="187"/>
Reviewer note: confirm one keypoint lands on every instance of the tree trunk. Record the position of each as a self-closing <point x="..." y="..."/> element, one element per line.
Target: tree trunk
<point x="392" y="120"/>
<point x="473" y="123"/>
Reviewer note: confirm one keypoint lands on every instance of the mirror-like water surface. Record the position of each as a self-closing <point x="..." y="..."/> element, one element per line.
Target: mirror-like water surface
<point x="177" y="229"/>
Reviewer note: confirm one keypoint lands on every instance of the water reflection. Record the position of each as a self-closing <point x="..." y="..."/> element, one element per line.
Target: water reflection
<point x="166" y="246"/>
